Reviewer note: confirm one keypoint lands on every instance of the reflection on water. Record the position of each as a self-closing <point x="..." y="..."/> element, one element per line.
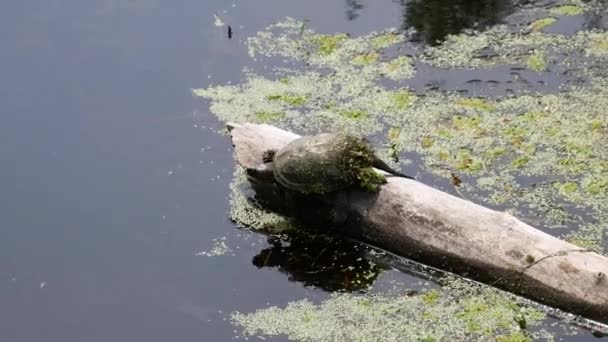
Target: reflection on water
<point x="325" y="262"/>
<point x="353" y="9"/>
<point x="433" y="20"/>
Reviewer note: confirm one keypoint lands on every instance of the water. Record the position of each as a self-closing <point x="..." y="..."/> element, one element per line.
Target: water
<point x="113" y="176"/>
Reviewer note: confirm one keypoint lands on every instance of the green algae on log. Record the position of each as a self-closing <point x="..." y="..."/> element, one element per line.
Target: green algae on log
<point x="422" y="223"/>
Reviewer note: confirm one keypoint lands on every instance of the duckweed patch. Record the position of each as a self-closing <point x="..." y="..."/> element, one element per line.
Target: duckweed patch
<point x="540" y="24"/>
<point x="267" y="116"/>
<point x="383" y="41"/>
<point x="476" y="103"/>
<point x="567" y="10"/>
<point x="353" y="114"/>
<point x="293" y="100"/>
<point x="537" y="155"/>
<point x="402" y="99"/>
<point x="366" y="59"/>
<point x="248" y="215"/>
<point x="537" y="61"/>
<point x="399" y="68"/>
<point x="327" y="44"/>
<point x="457" y="313"/>
<point x="599" y="44"/>
<point x="557" y="137"/>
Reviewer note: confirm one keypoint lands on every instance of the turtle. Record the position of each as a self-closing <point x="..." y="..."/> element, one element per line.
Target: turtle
<point x="324" y="163"/>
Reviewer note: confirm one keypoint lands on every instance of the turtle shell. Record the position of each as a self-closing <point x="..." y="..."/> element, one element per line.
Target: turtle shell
<point x="322" y="163"/>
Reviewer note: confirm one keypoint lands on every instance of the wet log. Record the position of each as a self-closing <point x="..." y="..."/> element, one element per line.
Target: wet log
<point x="419" y="222"/>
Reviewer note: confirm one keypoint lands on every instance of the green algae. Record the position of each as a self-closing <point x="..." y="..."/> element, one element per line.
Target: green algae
<point x="476" y="103"/>
<point x="366" y="59"/>
<point x="458" y="312"/>
<point x="327" y="44"/>
<point x="540" y="24"/>
<point x="537" y="61"/>
<point x="399" y="68"/>
<point x="385" y="40"/>
<point x="568" y="10"/>
<point x="596" y="125"/>
<point x="520" y="162"/>
<point x="248" y="215"/>
<point x="292" y="100"/>
<point x="558" y="140"/>
<point x="402" y="99"/>
<point x="426" y="142"/>
<point x="267" y="116"/>
<point x="514" y="337"/>
<point x="595" y="186"/>
<point x="370" y="180"/>
<point x="353" y="114"/>
<point x="568" y="188"/>
<point x="465" y="161"/>
<point x="589" y="236"/>
<point x="430" y="297"/>
<point x="599" y="44"/>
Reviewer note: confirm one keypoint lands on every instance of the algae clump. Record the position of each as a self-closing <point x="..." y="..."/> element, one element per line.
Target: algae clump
<point x="537" y="61"/>
<point x="567" y="10"/>
<point x="535" y="154"/>
<point x="542" y="23"/>
<point x="327" y="44"/>
<point x="458" y="312"/>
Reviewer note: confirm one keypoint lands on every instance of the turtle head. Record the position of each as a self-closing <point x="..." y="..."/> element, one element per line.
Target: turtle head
<point x="263" y="172"/>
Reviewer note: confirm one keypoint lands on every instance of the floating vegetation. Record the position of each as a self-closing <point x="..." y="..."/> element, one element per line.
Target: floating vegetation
<point x="249" y="215"/>
<point x="383" y="41"/>
<point x="292" y="100"/>
<point x="476" y="103"/>
<point x="567" y="10"/>
<point x="327" y="44"/>
<point x="551" y="136"/>
<point x="366" y="59"/>
<point x="540" y="24"/>
<point x="533" y="154"/>
<point x="537" y="62"/>
<point x="267" y="116"/>
<point x="219" y="248"/>
<point x="399" y="68"/>
<point x="458" y="312"/>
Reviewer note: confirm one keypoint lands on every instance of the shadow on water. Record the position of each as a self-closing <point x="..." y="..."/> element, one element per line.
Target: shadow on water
<point x="329" y="263"/>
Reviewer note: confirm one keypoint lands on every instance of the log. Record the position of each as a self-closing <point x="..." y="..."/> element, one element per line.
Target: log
<point x="422" y="223"/>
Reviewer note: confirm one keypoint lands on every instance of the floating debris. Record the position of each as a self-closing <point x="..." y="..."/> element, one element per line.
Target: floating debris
<point x="219" y="248"/>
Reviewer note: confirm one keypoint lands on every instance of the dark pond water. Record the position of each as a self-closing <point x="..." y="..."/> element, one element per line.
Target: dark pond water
<point x="113" y="176"/>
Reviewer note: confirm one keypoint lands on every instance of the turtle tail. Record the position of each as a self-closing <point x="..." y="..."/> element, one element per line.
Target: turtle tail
<point x="380" y="164"/>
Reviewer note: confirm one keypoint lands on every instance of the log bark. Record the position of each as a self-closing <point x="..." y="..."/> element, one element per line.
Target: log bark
<point x="417" y="221"/>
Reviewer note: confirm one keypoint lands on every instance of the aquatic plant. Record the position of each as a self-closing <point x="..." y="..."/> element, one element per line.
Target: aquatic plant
<point x="533" y="154"/>
<point x="458" y="312"/>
